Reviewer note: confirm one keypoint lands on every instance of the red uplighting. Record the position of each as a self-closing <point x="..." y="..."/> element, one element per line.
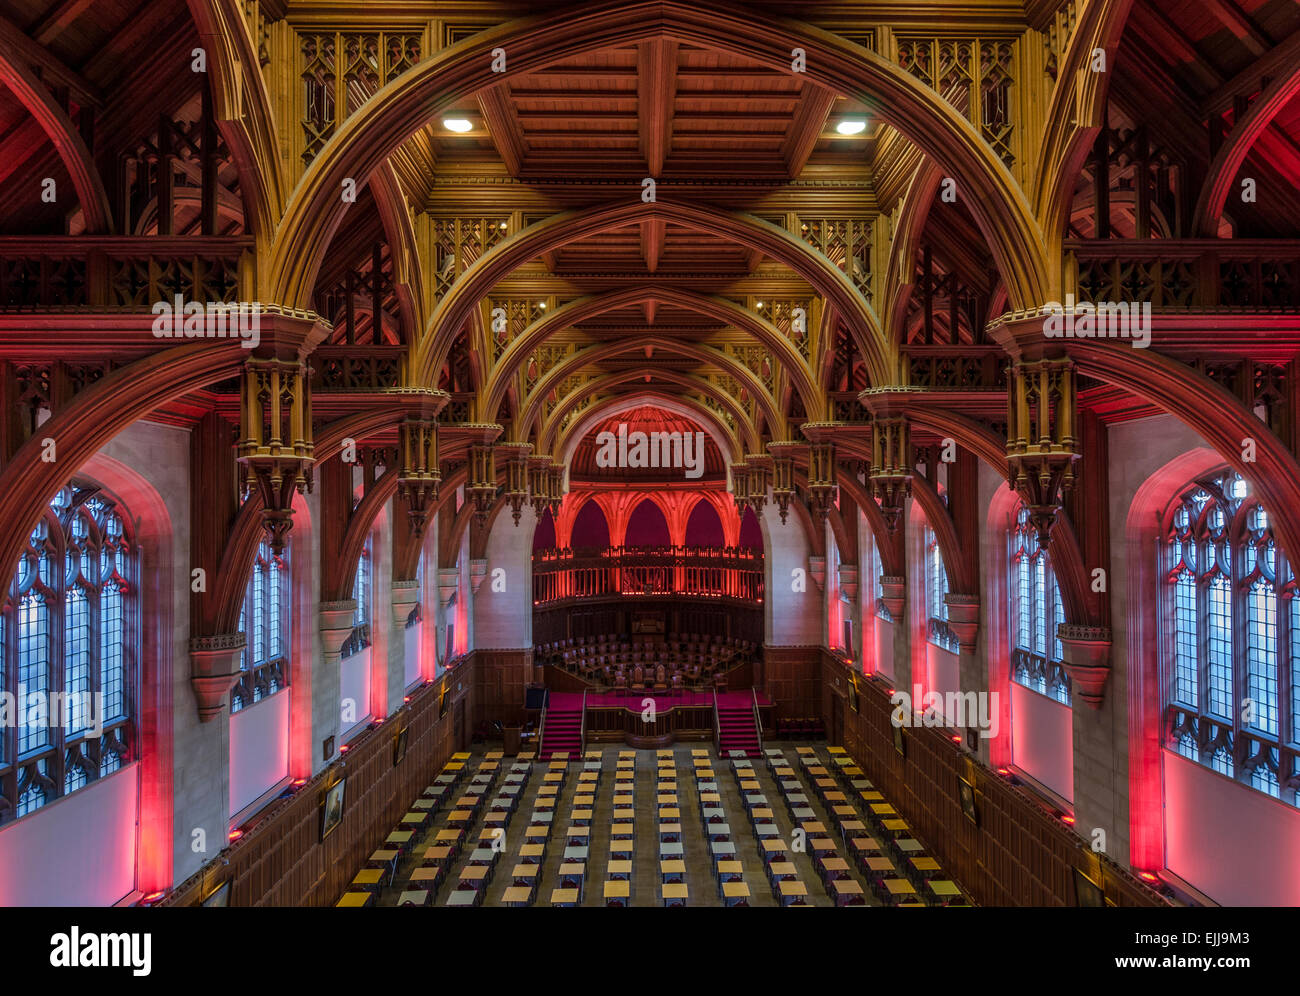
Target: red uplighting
<point x="235" y="835"/>
<point x="891" y="691"/>
<point x="406" y="698"/>
<point x="1148" y="877"/>
<point x="1068" y="819"/>
<point x="343" y="749"/>
<point x="153" y="897"/>
<point x="299" y="782"/>
<point x="1003" y="771"/>
<point x="956" y="738"/>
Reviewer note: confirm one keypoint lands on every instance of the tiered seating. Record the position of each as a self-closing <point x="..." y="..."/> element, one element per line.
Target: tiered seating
<point x="688" y="661"/>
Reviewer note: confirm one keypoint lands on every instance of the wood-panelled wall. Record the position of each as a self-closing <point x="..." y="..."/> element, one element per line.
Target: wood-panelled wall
<point x="792" y="678"/>
<point x="1018" y="855"/>
<point x="283" y="862"/>
<point x="500" y="680"/>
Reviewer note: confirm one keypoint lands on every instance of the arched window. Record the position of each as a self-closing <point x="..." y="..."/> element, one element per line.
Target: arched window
<point x="1231" y="640"/>
<point x="69" y="635"/>
<point x="1036" y="611"/>
<point x="264" y="621"/>
<point x="878" y="589"/>
<point x="936" y="589"/>
<point x="360" y="638"/>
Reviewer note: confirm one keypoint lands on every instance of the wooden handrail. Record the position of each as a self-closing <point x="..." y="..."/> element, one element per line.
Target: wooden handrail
<point x="541" y="728"/>
<point x="717" y="726"/>
<point x="582" y="728"/>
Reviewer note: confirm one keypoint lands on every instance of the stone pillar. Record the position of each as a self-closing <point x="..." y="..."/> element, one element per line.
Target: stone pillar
<point x="335" y="628"/>
<point x="405" y="597"/>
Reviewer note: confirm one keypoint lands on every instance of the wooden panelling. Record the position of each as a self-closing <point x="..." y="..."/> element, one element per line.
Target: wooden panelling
<point x="281" y="861"/>
<point x="676" y="723"/>
<point x="501" y="677"/>
<point x="1018" y="855"/>
<point x="792" y="679"/>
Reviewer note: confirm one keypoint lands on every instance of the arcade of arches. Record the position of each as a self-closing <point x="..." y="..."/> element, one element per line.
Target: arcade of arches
<point x="916" y="383"/>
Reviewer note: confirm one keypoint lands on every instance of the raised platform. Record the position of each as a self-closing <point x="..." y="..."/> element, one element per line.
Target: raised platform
<point x="622" y="717"/>
<point x="635" y="702"/>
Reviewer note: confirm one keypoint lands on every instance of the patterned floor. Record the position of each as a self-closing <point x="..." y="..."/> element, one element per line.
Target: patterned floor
<point x="703" y="887"/>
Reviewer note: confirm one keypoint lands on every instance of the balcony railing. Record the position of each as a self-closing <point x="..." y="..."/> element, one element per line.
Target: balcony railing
<point x="123" y="272"/>
<point x="1190" y="273"/>
<point x="708" y="572"/>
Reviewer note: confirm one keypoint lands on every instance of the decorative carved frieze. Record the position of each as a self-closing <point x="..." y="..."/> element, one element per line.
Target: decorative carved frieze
<point x="891" y="466"/>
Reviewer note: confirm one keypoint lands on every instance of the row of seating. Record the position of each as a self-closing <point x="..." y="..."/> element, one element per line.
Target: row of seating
<point x="799" y="728"/>
<point x="895" y="863"/>
<point x="686" y="643"/>
<point x="892" y="862"/>
<point x="612" y="663"/>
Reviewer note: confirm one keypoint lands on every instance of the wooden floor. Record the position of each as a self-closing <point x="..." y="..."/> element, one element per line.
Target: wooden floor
<point x="701" y="882"/>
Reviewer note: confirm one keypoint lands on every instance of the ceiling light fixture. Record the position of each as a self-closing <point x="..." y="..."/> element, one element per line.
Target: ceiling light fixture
<point x="458" y="125"/>
<point x="851" y="126"/>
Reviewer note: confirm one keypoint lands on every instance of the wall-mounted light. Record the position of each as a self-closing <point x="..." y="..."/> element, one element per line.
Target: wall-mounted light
<point x="851" y="126"/>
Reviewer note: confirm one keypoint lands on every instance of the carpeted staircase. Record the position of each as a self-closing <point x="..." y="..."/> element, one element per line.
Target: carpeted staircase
<point x="736" y="729"/>
<point x="563" y="730"/>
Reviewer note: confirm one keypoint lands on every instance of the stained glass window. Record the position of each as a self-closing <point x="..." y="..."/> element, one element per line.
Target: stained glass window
<point x="936" y="588"/>
<point x="68" y="643"/>
<point x="1231" y="647"/>
<point x="264" y="621"/>
<point x="1036" y="613"/>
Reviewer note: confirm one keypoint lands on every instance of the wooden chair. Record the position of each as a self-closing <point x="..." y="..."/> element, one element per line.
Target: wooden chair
<point x="661" y="679"/>
<point x="638" y="679"/>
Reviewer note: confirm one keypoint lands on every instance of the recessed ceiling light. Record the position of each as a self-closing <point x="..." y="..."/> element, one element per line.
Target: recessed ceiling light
<point x="851" y="126"/>
<point x="457" y="124"/>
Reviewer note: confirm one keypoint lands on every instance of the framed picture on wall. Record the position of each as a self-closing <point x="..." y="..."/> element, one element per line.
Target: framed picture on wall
<point x="853" y="695"/>
<point x="442" y="701"/>
<point x="220" y="896"/>
<point x="899" y="744"/>
<point x="399" y="746"/>
<point x="1086" y="891"/>
<point x="967" y="793"/>
<point x="332" y="808"/>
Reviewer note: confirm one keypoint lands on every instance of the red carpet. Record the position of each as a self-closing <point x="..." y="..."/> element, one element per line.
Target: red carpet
<point x="572" y="701"/>
<point x="735" y="716"/>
